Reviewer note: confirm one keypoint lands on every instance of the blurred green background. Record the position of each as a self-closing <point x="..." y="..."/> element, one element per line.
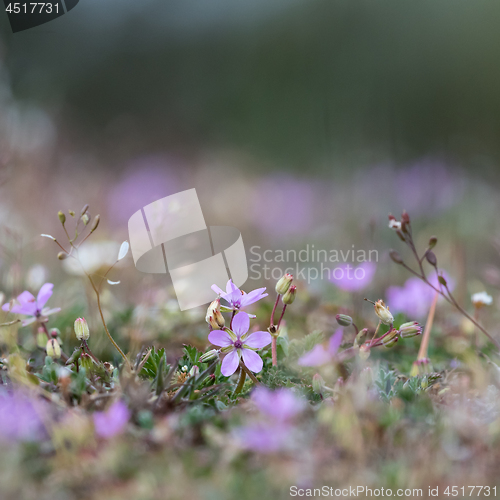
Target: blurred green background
<point x="304" y="85"/>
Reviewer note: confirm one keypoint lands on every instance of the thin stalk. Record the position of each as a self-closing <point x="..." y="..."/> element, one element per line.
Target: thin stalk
<point x="271" y="323"/>
<point x="424" y="345"/>
<point x="241" y="382"/>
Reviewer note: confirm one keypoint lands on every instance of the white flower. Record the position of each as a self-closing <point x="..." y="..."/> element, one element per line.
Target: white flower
<point x="482" y="299"/>
<point x="394" y="224"/>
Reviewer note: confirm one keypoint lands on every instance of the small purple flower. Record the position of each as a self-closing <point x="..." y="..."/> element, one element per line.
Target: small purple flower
<point x="281" y="405"/>
<point x="25" y="303"/>
<point x="265" y="438"/>
<point x="415" y="297"/>
<point x="352" y="279"/>
<point x="111" y="422"/>
<point x="238" y="343"/>
<point x="238" y="299"/>
<point x="20" y="417"/>
<point x="319" y="355"/>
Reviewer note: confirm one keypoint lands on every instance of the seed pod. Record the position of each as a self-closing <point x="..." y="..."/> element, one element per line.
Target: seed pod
<point x="343" y="320"/>
<point x="97" y="219"/>
<point x="396" y="257"/>
<point x="61" y="216"/>
<point x="432" y="242"/>
<point x="431" y="258"/>
<point x="62" y="255"/>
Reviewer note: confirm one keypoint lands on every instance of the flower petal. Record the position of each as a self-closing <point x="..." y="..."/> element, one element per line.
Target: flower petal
<point x="335" y="341"/>
<point x="241" y="324"/>
<point x="253" y="296"/>
<point x="217" y="290"/>
<point x="123" y="250"/>
<point x="44" y="295"/>
<point x="257" y="340"/>
<point x="28" y="321"/>
<point x="231" y="287"/>
<point x="220" y="338"/>
<point x="252" y="360"/>
<point x="316" y="357"/>
<point x="230" y="363"/>
<point x="48" y="311"/>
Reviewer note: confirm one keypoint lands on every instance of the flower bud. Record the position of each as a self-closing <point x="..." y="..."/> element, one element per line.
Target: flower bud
<point x="390" y="338"/>
<point x="432" y="242"/>
<point x="62" y="255"/>
<point x="214" y="317"/>
<point x="71" y="212"/>
<point x="396" y="257"/>
<point x="108" y="367"/>
<point x="390" y="343"/>
<point x="359" y="336"/>
<point x="318" y="384"/>
<point x="431" y="258"/>
<point x="86" y="362"/>
<point x="97" y="219"/>
<point x="82" y="329"/>
<point x="284" y="284"/>
<point x="211" y="355"/>
<point x="53" y="349"/>
<point x="382" y="311"/>
<point x="83" y="211"/>
<point x="410" y="329"/>
<point x="289" y="296"/>
<point x="343" y="320"/>
<point x="442" y="281"/>
<point x="364" y="351"/>
<point x="61" y="216"/>
<point x="55" y="332"/>
<point x="194" y="372"/>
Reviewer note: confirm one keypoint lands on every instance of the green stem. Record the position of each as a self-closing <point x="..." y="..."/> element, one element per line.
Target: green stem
<point x="241" y="382"/>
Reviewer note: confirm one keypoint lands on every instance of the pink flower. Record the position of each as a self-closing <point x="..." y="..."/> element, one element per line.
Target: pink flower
<point x="415" y="297"/>
<point x="21" y="417"/>
<point x="352" y="279"/>
<point x="238" y="343"/>
<point x="281" y="405"/>
<point x="238" y="299"/>
<point x="319" y="355"/>
<point x="25" y="303"/>
<point x="276" y="432"/>
<point x="111" y="422"/>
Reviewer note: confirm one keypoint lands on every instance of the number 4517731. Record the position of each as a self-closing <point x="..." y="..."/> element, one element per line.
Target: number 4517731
<point x="471" y="491"/>
<point x="32" y="8"/>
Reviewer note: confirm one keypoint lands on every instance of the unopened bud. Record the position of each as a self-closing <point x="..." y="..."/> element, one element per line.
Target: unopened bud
<point x="71" y="212"/>
<point x="84" y="209"/>
<point x="431" y="258"/>
<point x="61" y="216"/>
<point x="318" y="384"/>
<point x="390" y="338"/>
<point x="442" y="281"/>
<point x="211" y="355"/>
<point x="432" y="242"/>
<point x="284" y="284"/>
<point x="343" y="320"/>
<point x="364" y="352"/>
<point x="359" y="336"/>
<point x="97" y="219"/>
<point x="194" y="372"/>
<point x="53" y="349"/>
<point x="82" y="329"/>
<point x="55" y="332"/>
<point x="108" y="367"/>
<point x="405" y="217"/>
<point x="410" y="329"/>
<point x="214" y="317"/>
<point x="289" y="296"/>
<point x="62" y="255"/>
<point x="86" y="362"/>
<point x="382" y="311"/>
<point x="396" y="257"/>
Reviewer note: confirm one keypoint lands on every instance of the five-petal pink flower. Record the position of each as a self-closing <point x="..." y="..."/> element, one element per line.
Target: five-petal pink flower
<point x="237" y="298"/>
<point x="239" y="344"/>
<point x="26" y="303"/>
